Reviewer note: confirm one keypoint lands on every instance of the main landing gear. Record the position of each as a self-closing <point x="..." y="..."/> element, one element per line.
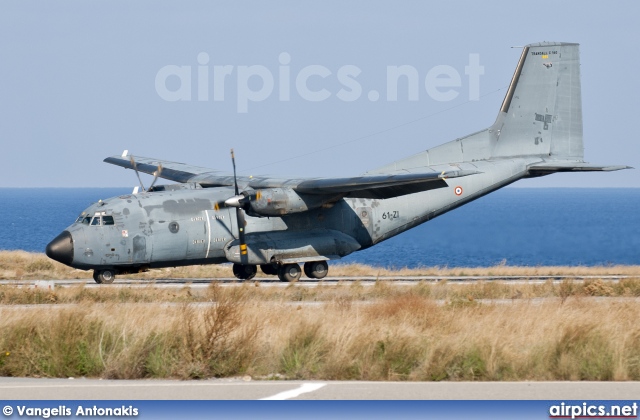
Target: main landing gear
<point x="285" y="272"/>
<point x="244" y="272"/>
<point x="104" y="276"/>
<point x="316" y="269"/>
<point x="289" y="272"/>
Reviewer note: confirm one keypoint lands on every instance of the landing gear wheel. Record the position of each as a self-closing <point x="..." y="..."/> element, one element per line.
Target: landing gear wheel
<point x="269" y="269"/>
<point x="104" y="276"/>
<point x="244" y="272"/>
<point x="289" y="272"/>
<point x="316" y="269"/>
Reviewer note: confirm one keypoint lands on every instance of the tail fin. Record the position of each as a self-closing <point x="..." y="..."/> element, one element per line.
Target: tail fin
<point x="541" y="114"/>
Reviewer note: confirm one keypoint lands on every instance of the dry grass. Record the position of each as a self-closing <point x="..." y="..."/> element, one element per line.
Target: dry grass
<point x="20" y="265"/>
<point x="349" y="270"/>
<point x="402" y="334"/>
<point x="342" y="294"/>
<point x="425" y="331"/>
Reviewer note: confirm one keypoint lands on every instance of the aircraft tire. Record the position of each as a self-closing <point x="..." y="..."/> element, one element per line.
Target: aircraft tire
<point x="244" y="272"/>
<point x="289" y="273"/>
<point x="316" y="269"/>
<point x="104" y="276"/>
<point x="269" y="269"/>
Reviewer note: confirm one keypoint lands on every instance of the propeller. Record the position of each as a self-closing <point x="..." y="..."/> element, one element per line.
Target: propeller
<point x="156" y="174"/>
<point x="239" y="213"/>
<point x="240" y="201"/>
<point x="135" y="168"/>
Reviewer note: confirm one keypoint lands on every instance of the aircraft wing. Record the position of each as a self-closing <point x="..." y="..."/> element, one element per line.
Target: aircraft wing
<point x="175" y="171"/>
<point x="368" y="186"/>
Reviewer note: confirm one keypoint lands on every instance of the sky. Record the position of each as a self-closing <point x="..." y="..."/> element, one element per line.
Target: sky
<point x="296" y="88"/>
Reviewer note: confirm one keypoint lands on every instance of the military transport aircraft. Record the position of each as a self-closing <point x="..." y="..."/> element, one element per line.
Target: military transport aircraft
<point x="211" y="217"/>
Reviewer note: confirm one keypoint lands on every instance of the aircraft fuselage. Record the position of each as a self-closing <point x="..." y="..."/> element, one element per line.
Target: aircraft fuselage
<point x="182" y="227"/>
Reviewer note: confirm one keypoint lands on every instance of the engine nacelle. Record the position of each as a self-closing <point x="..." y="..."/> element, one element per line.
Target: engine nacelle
<point x="281" y="201"/>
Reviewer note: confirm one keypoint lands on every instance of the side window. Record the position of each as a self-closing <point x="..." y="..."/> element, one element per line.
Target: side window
<point x="107" y="220"/>
<point x="86" y="220"/>
<point x="95" y="221"/>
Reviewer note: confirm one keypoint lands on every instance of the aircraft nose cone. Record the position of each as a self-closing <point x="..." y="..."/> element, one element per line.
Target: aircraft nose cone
<point x="61" y="248"/>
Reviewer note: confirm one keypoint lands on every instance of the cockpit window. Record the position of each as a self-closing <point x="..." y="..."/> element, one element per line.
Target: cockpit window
<point x="98" y="219"/>
<point x="83" y="219"/>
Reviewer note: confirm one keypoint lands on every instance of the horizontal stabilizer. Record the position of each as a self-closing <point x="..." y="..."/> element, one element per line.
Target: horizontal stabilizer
<point x="545" y="168"/>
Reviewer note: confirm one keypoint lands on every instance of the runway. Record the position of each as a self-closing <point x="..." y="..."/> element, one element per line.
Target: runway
<point x="197" y="283"/>
<point x="247" y="389"/>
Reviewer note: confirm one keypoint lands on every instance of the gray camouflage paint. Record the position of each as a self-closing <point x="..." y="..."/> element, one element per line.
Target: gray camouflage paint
<point x="538" y="131"/>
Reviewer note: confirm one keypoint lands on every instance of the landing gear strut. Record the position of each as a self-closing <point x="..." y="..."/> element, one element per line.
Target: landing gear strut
<point x="289" y="272"/>
<point x="244" y="272"/>
<point x="316" y="269"/>
<point x="104" y="276"/>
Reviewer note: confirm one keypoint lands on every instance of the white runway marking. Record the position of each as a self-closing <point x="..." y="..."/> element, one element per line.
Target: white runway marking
<point x="304" y="388"/>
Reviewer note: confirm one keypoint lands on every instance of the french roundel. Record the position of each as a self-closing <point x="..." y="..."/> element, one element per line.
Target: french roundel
<point x="458" y="190"/>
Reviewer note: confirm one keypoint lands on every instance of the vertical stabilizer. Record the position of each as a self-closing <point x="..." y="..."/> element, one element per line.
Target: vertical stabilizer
<point x="542" y="111"/>
<point x="541" y="115"/>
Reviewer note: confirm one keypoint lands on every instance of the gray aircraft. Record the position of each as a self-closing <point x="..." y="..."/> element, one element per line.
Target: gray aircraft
<point x="211" y="217"/>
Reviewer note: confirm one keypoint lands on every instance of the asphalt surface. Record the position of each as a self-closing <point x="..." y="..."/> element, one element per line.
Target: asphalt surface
<point x="199" y="283"/>
<point x="246" y="389"/>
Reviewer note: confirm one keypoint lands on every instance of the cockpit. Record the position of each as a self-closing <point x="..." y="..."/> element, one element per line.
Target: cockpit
<point x="98" y="219"/>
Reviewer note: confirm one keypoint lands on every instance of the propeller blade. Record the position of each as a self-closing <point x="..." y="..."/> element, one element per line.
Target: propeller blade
<point x="235" y="179"/>
<point x="241" y="236"/>
<point x="239" y="212"/>
<point x="135" y="168"/>
<point x="156" y="174"/>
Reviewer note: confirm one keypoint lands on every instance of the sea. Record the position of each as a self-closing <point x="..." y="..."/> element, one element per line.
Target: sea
<point x="512" y="226"/>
